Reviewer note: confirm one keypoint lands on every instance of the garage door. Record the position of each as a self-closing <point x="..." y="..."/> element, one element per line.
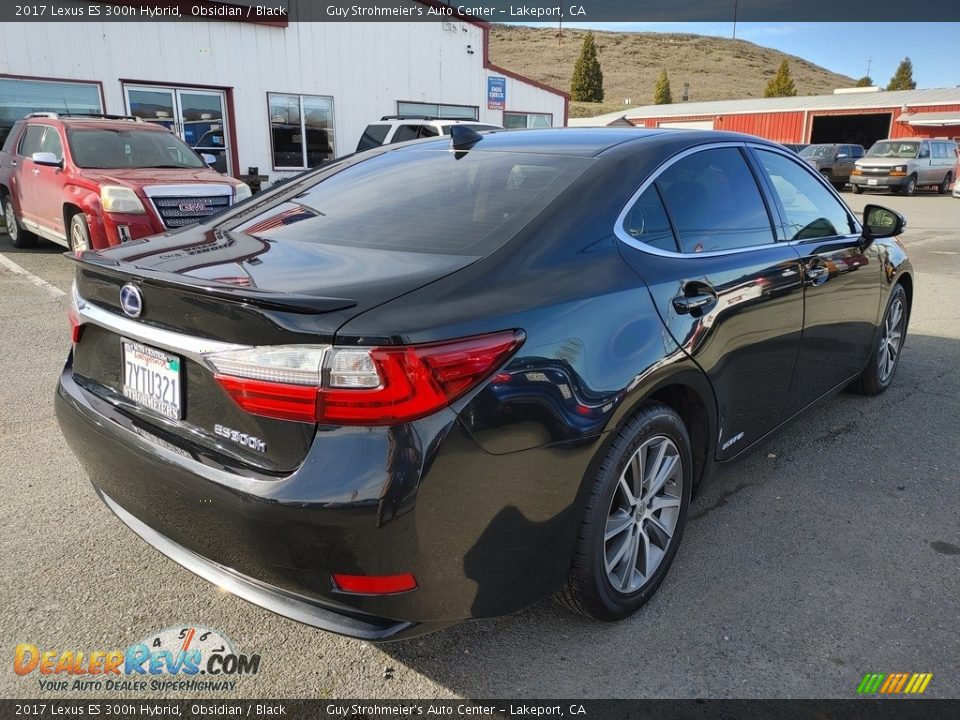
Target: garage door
<point x="688" y="124"/>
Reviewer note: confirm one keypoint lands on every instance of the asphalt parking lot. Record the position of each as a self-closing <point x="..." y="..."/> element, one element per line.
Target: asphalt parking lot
<point x="831" y="552"/>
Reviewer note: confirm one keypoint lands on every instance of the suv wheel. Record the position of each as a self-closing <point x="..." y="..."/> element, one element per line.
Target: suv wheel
<point x="18" y="236"/>
<point x="634" y="518"/>
<point x="856" y="189"/>
<point x="944" y="187"/>
<point x="79" y="233"/>
<point x="911" y="187"/>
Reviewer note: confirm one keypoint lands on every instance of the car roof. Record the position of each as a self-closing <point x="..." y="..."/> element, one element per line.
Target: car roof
<point x="591" y="142"/>
<point x="92" y="122"/>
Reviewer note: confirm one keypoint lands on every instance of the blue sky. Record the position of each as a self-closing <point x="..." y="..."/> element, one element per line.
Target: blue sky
<point x="841" y="47"/>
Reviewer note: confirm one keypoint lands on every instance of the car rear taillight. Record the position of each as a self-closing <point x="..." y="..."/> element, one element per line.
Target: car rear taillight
<point x="73" y="317"/>
<point x="359" y="386"/>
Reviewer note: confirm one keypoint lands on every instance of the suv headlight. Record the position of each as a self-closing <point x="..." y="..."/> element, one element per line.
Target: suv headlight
<point x="900" y="168"/>
<point x="116" y="199"/>
<point x="241" y="192"/>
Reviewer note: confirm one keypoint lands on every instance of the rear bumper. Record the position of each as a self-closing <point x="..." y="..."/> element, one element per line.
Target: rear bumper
<point x="484" y="535"/>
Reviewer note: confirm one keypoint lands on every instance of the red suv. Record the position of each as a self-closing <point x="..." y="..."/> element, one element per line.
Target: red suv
<point x="94" y="181"/>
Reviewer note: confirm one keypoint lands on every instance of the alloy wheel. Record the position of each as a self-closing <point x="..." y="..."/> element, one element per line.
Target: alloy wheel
<point x="890" y="340"/>
<point x="78" y="238"/>
<point x="10" y="218"/>
<point x="643" y="514"/>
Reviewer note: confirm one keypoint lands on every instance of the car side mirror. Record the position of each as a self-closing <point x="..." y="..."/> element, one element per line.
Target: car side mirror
<point x="46" y="158"/>
<point x="880" y="222"/>
<point x="209" y="159"/>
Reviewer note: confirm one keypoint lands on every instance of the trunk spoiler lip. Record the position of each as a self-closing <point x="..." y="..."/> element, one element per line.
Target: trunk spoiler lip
<point x="268" y="300"/>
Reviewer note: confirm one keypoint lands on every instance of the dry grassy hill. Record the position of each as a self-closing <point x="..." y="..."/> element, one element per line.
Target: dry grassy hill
<point x="716" y="68"/>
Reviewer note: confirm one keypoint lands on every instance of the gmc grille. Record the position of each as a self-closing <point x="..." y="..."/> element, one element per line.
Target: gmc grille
<point x="179" y="211"/>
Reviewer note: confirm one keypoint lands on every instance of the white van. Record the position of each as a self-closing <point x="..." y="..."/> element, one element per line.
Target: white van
<point x="904" y="164"/>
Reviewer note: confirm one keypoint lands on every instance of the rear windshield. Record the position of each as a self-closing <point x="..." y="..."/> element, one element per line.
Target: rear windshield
<point x="423" y="200"/>
<point x="105" y="148"/>
<point x="894" y="149"/>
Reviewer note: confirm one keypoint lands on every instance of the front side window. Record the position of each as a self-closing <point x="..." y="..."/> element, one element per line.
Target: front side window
<point x="106" y="148"/>
<point x="811" y="210"/>
<point x="714" y="202"/>
<point x="30" y="142"/>
<point x="301" y="130"/>
<point x="464" y="206"/>
<point x="51" y="143"/>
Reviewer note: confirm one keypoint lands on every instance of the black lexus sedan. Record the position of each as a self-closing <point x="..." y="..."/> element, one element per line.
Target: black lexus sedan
<point x="445" y="379"/>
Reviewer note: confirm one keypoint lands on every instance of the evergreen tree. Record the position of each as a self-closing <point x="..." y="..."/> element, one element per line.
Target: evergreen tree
<point x="903" y="78"/>
<point x="865" y="81"/>
<point x="661" y="92"/>
<point x="781" y="84"/>
<point x="587" y="82"/>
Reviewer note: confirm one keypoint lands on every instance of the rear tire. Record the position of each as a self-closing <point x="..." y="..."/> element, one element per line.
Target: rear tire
<point x="79" y="233"/>
<point x="944" y="187"/>
<point x="885" y="358"/>
<point x="18" y="236"/>
<point x="634" y="517"/>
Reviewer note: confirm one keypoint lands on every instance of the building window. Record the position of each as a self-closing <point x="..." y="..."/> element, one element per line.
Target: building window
<point x="21" y="96"/>
<point x="301" y="130"/>
<point x="516" y="120"/>
<point x="438" y="110"/>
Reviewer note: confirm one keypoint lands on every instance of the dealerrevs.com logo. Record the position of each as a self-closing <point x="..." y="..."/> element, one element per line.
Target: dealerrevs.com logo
<point x="184" y="658"/>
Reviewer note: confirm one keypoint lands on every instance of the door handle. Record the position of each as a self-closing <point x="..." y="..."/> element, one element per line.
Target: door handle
<point x="684" y="304"/>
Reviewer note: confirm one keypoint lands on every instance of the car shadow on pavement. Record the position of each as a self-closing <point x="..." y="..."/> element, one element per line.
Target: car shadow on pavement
<point x="43" y="246"/>
<point x="736" y="603"/>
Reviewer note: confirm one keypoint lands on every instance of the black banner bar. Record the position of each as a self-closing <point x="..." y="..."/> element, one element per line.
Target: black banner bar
<point x="522" y="11"/>
<point x="864" y="709"/>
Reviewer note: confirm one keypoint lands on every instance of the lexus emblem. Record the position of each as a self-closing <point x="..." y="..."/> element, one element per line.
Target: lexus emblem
<point x="131" y="301"/>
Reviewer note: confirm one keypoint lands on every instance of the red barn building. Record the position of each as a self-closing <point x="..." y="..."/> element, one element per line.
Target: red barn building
<point x="861" y="117"/>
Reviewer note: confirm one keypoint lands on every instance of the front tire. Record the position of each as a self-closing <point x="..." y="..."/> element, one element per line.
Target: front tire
<point x="911" y="187"/>
<point x="856" y="189"/>
<point x="18" y="236"/>
<point x="79" y="233"/>
<point x="885" y="358"/>
<point x="634" y="518"/>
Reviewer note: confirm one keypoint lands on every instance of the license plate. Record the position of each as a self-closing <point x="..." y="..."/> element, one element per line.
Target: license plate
<point x="151" y="378"/>
<point x="872" y="181"/>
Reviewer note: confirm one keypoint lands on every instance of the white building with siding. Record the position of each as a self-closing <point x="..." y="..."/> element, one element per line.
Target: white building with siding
<point x="276" y="97"/>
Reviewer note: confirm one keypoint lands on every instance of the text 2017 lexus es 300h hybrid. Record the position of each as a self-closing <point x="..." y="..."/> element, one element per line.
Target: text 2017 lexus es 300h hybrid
<point x="445" y="379"/>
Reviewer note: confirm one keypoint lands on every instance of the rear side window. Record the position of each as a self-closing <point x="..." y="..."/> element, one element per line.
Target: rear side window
<point x="414" y="132"/>
<point x="30" y="143"/>
<point x="811" y="210"/>
<point x="857" y="151"/>
<point x="373" y="137"/>
<point x="714" y="202"/>
<point x="467" y="205"/>
<point x="648" y="223"/>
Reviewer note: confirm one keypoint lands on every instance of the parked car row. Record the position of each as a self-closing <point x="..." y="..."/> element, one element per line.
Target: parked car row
<point x="901" y="165"/>
<point x="93" y="181"/>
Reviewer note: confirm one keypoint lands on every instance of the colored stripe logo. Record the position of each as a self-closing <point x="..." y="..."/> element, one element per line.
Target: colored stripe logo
<point x="894" y="683"/>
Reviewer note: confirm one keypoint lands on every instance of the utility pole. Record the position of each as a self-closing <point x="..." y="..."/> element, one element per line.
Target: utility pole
<point x="735" y="4"/>
<point x="869" y="63"/>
